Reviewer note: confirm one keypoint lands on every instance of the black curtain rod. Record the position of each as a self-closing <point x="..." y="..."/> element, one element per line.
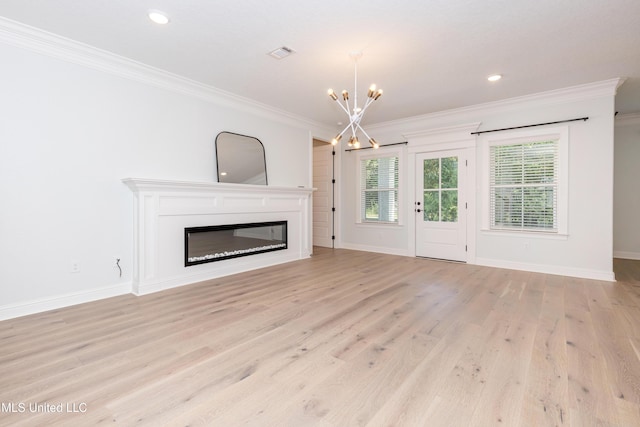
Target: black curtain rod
<point x="369" y="148"/>
<point x="529" y="126"/>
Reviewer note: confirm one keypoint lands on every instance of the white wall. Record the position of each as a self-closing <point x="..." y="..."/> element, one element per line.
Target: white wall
<point x="626" y="208"/>
<point x="69" y="133"/>
<point x="588" y="249"/>
<point x="386" y="238"/>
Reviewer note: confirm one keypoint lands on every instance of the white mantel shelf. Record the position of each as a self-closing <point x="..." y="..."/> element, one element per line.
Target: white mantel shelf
<point x="143" y="184"/>
<point x="164" y="208"/>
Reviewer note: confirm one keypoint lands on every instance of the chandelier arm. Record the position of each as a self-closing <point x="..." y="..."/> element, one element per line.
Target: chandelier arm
<point x="363" y="131"/>
<point x="373" y="142"/>
<point x="345" y="129"/>
<point x="366" y="105"/>
<point x="355" y="84"/>
<point x="343" y="108"/>
<point x="353" y="128"/>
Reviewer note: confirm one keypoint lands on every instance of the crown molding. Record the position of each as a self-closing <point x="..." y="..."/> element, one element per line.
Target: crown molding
<point x="570" y="94"/>
<point x="42" y="42"/>
<point x="628" y="119"/>
<point x="463" y="129"/>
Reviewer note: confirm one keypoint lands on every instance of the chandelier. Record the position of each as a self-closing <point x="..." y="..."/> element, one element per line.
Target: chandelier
<point x="356" y="113"/>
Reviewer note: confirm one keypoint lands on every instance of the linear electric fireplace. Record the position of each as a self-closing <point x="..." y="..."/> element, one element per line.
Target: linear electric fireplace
<point x="220" y="242"/>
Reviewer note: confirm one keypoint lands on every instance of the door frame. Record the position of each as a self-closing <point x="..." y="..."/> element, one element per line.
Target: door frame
<point x="336" y="188"/>
<point x="432" y="141"/>
<point x="332" y="190"/>
<point x="462" y="191"/>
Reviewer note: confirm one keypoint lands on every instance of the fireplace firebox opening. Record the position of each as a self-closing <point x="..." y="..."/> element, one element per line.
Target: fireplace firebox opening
<point x="220" y="242"/>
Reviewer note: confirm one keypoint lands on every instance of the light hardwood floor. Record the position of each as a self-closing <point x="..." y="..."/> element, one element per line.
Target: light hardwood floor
<point x="345" y="338"/>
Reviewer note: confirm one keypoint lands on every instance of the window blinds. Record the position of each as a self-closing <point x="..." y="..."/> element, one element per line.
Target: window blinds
<point x="379" y="189"/>
<point x="524" y="186"/>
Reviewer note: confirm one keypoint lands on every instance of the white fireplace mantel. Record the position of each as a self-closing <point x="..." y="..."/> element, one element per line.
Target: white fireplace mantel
<point x="163" y="209"/>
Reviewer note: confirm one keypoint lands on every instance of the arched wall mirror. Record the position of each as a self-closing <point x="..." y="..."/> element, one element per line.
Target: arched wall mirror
<point x="240" y="159"/>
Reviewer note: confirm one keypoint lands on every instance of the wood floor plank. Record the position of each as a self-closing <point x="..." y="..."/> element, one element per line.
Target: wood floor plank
<point x="621" y="361"/>
<point x="500" y="401"/>
<point x="407" y="405"/>
<point x="471" y="372"/>
<point x="590" y="398"/>
<point x="546" y="392"/>
<point x="342" y="339"/>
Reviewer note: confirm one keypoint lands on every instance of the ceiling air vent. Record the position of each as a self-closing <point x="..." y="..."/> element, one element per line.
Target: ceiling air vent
<point x="281" y="52"/>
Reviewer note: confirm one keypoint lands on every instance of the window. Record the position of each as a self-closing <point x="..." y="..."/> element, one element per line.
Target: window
<point x="524" y="183"/>
<point x="379" y="189"/>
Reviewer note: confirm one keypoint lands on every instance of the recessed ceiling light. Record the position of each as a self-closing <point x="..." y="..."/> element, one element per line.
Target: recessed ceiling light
<point x="494" y="77"/>
<point x="158" y="17"/>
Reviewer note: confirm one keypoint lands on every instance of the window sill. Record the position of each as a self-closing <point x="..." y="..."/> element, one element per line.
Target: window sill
<point x="378" y="224"/>
<point x="528" y="234"/>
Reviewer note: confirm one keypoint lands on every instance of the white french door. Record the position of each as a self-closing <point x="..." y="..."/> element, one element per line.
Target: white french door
<point x="440" y="206"/>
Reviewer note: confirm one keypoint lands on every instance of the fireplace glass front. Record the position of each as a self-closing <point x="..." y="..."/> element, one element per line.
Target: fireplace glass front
<point x="220" y="242"/>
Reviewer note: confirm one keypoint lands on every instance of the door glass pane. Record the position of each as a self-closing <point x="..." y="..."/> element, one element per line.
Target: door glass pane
<point x="450" y="172"/>
<point x="431" y="206"/>
<point x="449" y="205"/>
<point x="431" y="174"/>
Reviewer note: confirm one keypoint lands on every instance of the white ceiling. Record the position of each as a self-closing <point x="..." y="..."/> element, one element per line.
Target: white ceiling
<point x="427" y="55"/>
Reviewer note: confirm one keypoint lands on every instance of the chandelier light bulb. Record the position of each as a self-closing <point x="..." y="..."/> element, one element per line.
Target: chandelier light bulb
<point x="378" y="95"/>
<point x="374" y="143"/>
<point x="335" y="140"/>
<point x="372" y="91"/>
<point x="345" y="95"/>
<point x="332" y="94"/>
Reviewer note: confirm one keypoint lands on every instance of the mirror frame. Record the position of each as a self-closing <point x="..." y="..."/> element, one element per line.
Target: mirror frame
<point x="239" y="165"/>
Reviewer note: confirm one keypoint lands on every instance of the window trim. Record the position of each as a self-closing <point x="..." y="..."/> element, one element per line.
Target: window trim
<point x="379" y="153"/>
<point x="560" y="134"/>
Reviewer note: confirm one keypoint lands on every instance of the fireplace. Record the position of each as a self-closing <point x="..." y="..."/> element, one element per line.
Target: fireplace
<point x="221" y="242"/>
<point x="163" y="209"/>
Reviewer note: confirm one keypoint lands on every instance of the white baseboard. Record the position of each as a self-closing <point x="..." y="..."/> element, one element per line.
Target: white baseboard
<point x="381" y="250"/>
<point x="249" y="264"/>
<point x="626" y="255"/>
<point x="45" y="304"/>
<point x="582" y="273"/>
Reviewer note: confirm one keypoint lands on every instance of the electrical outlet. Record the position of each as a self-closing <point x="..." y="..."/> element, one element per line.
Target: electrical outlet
<point x="74" y="267"/>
